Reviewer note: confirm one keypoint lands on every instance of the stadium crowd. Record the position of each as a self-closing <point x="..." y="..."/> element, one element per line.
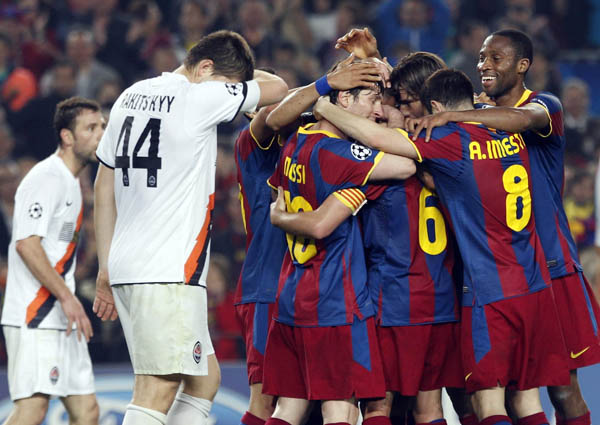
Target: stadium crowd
<point x="51" y="50"/>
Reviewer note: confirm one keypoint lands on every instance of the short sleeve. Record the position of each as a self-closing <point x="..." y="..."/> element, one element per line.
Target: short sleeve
<point x="275" y="180"/>
<point x="345" y="164"/>
<point x="553" y="109"/>
<point x="106" y="150"/>
<point x="36" y="201"/>
<point x="444" y="152"/>
<point x="214" y="102"/>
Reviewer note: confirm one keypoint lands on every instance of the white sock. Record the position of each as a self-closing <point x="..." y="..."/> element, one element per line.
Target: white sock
<point x="136" y="415"/>
<point x="189" y="410"/>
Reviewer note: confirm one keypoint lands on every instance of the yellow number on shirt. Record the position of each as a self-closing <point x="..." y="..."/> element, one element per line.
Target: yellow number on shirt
<point x="432" y="244"/>
<point x="301" y="248"/>
<point x="518" y="198"/>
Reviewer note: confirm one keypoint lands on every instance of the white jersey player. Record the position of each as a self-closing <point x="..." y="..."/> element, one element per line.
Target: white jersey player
<point x="44" y="356"/>
<point x="154" y="199"/>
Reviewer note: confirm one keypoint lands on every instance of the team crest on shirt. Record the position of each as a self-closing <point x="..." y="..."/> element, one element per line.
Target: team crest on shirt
<point x="234" y="89"/>
<point x="35" y="210"/>
<point x="360" y="152"/>
<point x="54" y="375"/>
<point x="197" y="353"/>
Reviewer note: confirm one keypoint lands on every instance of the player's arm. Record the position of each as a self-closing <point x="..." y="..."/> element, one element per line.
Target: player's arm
<point x="31" y="251"/>
<point x="316" y="224"/>
<point x="272" y="87"/>
<point x="371" y="134"/>
<point x="514" y="120"/>
<point x="346" y="76"/>
<point x="105" y="216"/>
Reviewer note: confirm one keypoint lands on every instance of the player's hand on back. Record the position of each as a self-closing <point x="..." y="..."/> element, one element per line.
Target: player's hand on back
<point x="427" y="123"/>
<point x="76" y="314"/>
<point x="483" y="98"/>
<point x="360" y="42"/>
<point x="104" y="302"/>
<point x="277" y="207"/>
<point x="349" y="75"/>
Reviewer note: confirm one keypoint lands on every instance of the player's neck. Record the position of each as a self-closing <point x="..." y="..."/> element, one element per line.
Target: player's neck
<point x="71" y="161"/>
<point x="512" y="96"/>
<point x="325" y="125"/>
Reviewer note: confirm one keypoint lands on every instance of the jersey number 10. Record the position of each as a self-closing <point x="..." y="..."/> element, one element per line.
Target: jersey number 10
<point x="151" y="163"/>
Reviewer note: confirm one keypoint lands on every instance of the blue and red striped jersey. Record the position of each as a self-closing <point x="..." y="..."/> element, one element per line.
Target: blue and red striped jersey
<point x="482" y="176"/>
<point x="410" y="256"/>
<point x="265" y="243"/>
<point x="323" y="282"/>
<point x="546" y="154"/>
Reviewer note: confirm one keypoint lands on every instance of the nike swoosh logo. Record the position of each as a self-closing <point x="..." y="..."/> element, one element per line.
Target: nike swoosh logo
<point x="469" y="375"/>
<point x="575" y="355"/>
<point x="69" y="203"/>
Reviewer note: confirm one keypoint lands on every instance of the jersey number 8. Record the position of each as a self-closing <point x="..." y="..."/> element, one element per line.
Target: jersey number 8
<point x="518" y="198"/>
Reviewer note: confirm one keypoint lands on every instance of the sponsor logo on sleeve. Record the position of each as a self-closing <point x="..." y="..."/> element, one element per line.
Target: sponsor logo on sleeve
<point x="360" y="152"/>
<point x="35" y="210"/>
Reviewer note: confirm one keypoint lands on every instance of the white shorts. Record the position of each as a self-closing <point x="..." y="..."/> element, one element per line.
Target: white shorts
<point x="47" y="361"/>
<point x="166" y="327"/>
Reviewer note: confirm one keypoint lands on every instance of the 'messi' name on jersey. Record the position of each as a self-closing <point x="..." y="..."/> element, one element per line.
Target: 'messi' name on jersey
<point x="497" y="148"/>
<point x="293" y="171"/>
<point x="142" y="102"/>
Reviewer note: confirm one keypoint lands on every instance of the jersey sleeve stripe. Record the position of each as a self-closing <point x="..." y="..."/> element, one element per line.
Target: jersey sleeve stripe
<point x="39" y="308"/>
<point x="549" y="121"/>
<point x="244" y="94"/>
<point x="375" y="162"/>
<point x="66" y="262"/>
<point x="270" y="185"/>
<point x="405" y="134"/>
<point x="104" y="163"/>
<point x="193" y="265"/>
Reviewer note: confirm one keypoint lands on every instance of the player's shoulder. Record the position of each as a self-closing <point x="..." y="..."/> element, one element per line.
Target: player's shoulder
<point x="548" y="100"/>
<point x="44" y="175"/>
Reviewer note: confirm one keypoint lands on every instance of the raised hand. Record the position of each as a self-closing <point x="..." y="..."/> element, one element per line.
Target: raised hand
<point x="360" y="42"/>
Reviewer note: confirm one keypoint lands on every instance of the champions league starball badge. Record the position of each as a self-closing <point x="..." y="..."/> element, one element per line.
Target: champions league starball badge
<point x="360" y="152"/>
<point x="35" y="210"/>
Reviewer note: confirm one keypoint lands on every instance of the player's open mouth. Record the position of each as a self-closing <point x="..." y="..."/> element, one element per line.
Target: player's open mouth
<point x="487" y="80"/>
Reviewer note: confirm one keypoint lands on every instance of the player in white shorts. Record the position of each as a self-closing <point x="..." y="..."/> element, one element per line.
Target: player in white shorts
<point x="153" y="204"/>
<point x="46" y="340"/>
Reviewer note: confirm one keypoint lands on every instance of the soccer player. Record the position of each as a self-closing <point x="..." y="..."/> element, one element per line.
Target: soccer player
<point x="504" y="60"/>
<point x="321" y="345"/>
<point x="153" y="203"/>
<point x="510" y="329"/>
<point x="256" y="154"/>
<point x="46" y="340"/>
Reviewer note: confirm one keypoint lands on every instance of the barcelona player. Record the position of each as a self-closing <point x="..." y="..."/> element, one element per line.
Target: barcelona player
<point x="510" y="329"/>
<point x="321" y="345"/>
<point x="504" y="60"/>
<point x="256" y="153"/>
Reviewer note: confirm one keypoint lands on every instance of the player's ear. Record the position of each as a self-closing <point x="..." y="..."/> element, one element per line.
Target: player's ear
<point x="523" y="65"/>
<point x="437" y="107"/>
<point x="204" y="68"/>
<point x="344" y="98"/>
<point x="66" y="138"/>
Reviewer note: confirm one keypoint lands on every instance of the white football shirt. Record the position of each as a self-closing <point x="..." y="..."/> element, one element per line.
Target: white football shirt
<point x="161" y="139"/>
<point x="48" y="204"/>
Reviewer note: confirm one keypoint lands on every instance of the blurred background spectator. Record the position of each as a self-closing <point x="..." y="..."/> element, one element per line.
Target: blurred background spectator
<point x="53" y="49"/>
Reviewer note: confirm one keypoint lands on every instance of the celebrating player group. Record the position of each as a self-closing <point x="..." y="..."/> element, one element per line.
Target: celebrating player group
<point x="401" y="239"/>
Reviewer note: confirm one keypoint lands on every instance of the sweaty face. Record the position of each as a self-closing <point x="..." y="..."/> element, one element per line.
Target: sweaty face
<point x="89" y="127"/>
<point x="367" y="104"/>
<point x="497" y="66"/>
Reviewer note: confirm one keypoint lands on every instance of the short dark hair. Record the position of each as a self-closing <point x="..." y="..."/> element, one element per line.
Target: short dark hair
<point x="230" y="53"/>
<point x="67" y="112"/>
<point x="412" y="71"/>
<point x="520" y="42"/>
<point x="450" y="87"/>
